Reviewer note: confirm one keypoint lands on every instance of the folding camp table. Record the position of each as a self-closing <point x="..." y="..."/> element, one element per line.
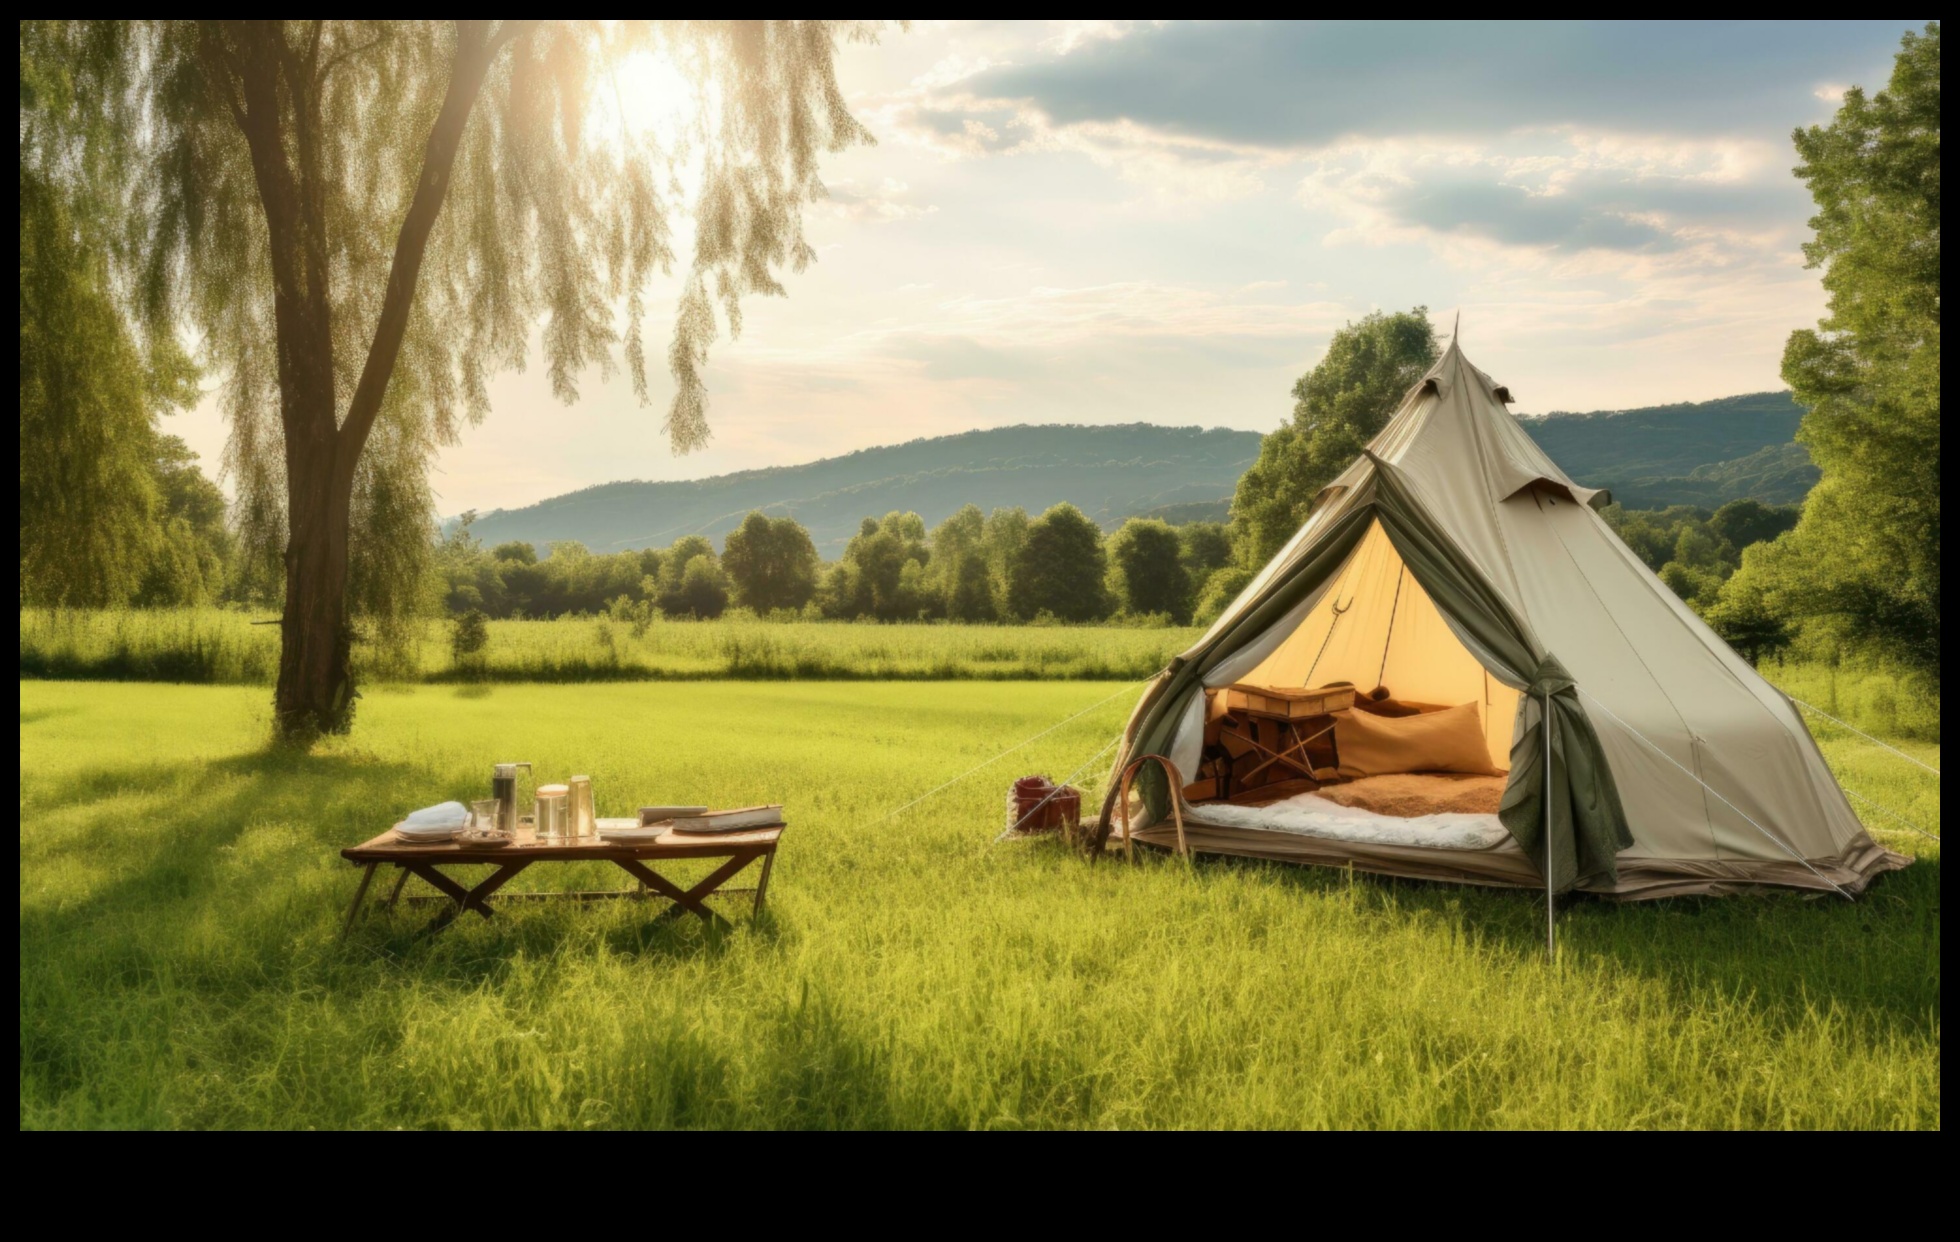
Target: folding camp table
<point x="636" y="859"/>
<point x="1296" y="717"/>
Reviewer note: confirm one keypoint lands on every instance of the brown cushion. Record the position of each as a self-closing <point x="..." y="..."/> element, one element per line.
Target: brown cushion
<point x="1391" y="707"/>
<point x="1451" y="740"/>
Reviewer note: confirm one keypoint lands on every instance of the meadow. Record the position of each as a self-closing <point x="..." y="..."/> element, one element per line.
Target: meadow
<point x="225" y="647"/>
<point x="180" y="899"/>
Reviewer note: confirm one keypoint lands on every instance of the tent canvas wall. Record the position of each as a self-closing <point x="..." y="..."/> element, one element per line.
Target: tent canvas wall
<point x="1465" y="566"/>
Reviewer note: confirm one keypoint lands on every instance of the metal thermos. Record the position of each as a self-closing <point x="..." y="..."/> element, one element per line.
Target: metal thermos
<point x="503" y="787"/>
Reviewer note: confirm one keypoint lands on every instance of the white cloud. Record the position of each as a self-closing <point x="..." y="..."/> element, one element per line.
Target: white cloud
<point x="1077" y="34"/>
<point x="850" y="201"/>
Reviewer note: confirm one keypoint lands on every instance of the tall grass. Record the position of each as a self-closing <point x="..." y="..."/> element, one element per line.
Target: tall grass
<point x="214" y="646"/>
<point x="180" y="898"/>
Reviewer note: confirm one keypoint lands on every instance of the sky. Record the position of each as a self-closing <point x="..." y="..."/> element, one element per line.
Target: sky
<point x="1109" y="222"/>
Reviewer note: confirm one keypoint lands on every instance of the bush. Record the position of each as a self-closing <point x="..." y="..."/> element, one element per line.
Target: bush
<point x="1220" y="590"/>
<point x="469" y="634"/>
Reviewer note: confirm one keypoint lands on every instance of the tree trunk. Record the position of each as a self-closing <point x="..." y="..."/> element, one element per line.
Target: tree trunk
<point x="275" y="107"/>
<point x="315" y="693"/>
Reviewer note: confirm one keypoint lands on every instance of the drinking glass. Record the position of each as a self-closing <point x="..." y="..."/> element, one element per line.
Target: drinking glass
<point x="483" y="813"/>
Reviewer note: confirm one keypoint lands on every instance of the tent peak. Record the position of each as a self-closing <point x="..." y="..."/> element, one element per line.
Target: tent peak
<point x="1443" y="374"/>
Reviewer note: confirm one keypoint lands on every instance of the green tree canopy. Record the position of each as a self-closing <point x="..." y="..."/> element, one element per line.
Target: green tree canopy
<point x="1146" y="573"/>
<point x="770" y="562"/>
<point x="364" y="220"/>
<point x="888" y="557"/>
<point x="1060" y="568"/>
<point x="1219" y="591"/>
<point x="703" y="590"/>
<point x="1204" y="548"/>
<point x="1864" y="561"/>
<point x="957" y="575"/>
<point x="1337" y="408"/>
<point x="92" y="520"/>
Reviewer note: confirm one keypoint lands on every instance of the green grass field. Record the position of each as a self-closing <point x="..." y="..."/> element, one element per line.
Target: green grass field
<point x="180" y="897"/>
<point x="216" y="646"/>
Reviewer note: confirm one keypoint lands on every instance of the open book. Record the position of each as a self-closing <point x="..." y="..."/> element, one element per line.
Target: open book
<point x="730" y="821"/>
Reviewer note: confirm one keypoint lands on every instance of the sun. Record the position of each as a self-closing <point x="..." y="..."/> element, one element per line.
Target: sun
<point x="648" y="94"/>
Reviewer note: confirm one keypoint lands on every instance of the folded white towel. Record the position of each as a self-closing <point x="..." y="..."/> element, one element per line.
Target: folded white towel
<point x="441" y="815"/>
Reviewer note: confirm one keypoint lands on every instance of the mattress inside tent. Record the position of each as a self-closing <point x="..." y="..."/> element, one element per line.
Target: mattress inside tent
<point x="1421" y="810"/>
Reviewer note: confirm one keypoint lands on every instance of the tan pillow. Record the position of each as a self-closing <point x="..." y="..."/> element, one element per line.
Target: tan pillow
<point x="1451" y="740"/>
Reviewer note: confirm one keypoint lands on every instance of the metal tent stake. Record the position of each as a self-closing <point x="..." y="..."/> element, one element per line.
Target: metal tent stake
<point x="1550" y="923"/>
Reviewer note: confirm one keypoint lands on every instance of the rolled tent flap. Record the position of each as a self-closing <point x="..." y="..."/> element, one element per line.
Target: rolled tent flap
<point x="1588" y="824"/>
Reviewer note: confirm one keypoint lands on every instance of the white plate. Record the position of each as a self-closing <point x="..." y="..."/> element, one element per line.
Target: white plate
<point x="424" y="836"/>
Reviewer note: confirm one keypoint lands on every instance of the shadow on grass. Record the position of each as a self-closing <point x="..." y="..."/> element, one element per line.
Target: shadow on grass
<point x="254" y="839"/>
<point x="1876" y="958"/>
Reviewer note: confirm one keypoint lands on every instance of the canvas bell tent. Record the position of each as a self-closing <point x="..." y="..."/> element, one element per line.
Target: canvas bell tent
<point x="1455" y="612"/>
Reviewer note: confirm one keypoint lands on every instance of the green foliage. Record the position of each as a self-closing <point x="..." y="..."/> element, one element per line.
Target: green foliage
<point x="469" y="634"/>
<point x="703" y="590"/>
<point x="1146" y="570"/>
<point x="1745" y="621"/>
<point x="1862" y="568"/>
<point x="882" y="574"/>
<point x="1337" y="408"/>
<point x="1059" y="569"/>
<point x="1203" y="548"/>
<point x="1695" y="552"/>
<point x="1219" y="591"/>
<point x="1740" y="523"/>
<point x="89" y="503"/>
<point x="771" y="563"/>
<point x="904" y="975"/>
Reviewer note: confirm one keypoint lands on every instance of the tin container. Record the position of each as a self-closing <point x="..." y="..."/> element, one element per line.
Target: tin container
<point x="554" y="813"/>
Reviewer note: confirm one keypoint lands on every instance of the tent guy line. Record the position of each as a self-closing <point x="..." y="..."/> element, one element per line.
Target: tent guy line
<point x="1868" y="737"/>
<point x="1011" y="749"/>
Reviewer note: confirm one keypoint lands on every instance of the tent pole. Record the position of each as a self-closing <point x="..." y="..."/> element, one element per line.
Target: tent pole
<point x="1545" y="723"/>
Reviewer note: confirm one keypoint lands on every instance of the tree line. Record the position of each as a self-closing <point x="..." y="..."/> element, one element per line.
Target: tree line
<point x="1003" y="566"/>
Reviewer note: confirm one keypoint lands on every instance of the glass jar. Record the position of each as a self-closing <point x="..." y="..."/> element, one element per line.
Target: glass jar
<point x="554" y="813"/>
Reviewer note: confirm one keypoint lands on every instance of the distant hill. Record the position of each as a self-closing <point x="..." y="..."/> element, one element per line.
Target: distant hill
<point x="1705" y="453"/>
<point x="1107" y="472"/>
<point x="1781" y="474"/>
<point x="1700" y="453"/>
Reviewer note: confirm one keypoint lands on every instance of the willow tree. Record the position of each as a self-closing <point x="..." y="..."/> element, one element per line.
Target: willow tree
<point x="364" y="221"/>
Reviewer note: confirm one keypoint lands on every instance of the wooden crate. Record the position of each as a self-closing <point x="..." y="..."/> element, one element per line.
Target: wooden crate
<point x="1287" y="703"/>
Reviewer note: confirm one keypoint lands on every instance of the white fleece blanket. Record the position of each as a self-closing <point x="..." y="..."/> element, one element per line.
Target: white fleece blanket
<point x="1314" y="816"/>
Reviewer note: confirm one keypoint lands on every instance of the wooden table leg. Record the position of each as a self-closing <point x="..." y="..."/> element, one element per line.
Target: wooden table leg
<point x="367" y="877"/>
<point x="395" y="893"/>
<point x="690" y="900"/>
<point x="469" y="898"/>
<point x="762" y="885"/>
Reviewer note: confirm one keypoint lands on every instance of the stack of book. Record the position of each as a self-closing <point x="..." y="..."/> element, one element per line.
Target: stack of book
<point x="699" y="819"/>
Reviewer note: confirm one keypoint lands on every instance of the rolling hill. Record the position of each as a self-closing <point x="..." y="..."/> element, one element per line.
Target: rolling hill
<point x="1699" y="453"/>
<point x="1108" y="472"/>
<point x="1704" y="453"/>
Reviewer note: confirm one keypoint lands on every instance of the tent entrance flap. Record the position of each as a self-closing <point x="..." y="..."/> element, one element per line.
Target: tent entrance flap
<point x="1376" y="627"/>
